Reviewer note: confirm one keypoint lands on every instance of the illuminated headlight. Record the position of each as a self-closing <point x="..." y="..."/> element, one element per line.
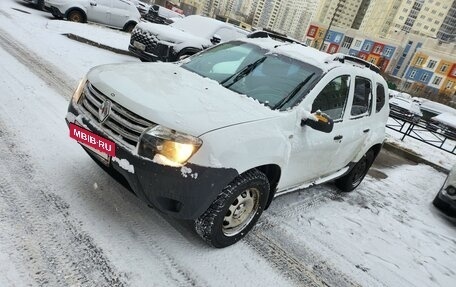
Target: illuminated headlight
<point x="78" y="92"/>
<point x="167" y="146"/>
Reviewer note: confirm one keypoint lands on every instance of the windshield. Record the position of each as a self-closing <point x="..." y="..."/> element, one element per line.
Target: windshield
<point x="197" y="25"/>
<point x="270" y="78"/>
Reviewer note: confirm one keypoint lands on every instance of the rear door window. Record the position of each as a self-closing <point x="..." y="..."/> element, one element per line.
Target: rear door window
<point x="380" y="97"/>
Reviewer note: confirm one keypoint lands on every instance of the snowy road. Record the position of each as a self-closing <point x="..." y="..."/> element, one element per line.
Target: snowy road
<point x="64" y="222"/>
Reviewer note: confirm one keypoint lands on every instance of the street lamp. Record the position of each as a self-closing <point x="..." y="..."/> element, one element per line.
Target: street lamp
<point x="336" y="13"/>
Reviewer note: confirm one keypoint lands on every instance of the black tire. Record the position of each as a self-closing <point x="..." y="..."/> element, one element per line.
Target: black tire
<point x="76" y="16"/>
<point x="356" y="175"/>
<point x="247" y="195"/>
<point x="40" y="5"/>
<point x="129" y="27"/>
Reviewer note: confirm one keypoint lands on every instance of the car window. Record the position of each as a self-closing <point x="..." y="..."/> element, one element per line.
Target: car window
<point x="332" y="100"/>
<point x="362" y="98"/>
<point x="380" y="97"/>
<point x="226" y="34"/>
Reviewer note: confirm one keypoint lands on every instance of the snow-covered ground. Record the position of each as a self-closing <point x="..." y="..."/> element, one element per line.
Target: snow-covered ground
<point x="64" y="222"/>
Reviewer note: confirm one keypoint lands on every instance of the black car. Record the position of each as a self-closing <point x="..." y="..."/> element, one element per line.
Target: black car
<point x="445" y="200"/>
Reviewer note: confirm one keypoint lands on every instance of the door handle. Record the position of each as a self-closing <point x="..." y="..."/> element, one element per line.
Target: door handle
<point x="336" y="138"/>
<point x="93" y="4"/>
<point x="366" y="130"/>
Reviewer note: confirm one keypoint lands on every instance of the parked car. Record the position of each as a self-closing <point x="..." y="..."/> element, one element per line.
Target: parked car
<point x="161" y="15"/>
<point x="403" y="106"/>
<point x="445" y="200"/>
<point x="216" y="137"/>
<point x="39" y="4"/>
<point x="444" y="123"/>
<point x="142" y="7"/>
<point x="120" y="14"/>
<point x="169" y="43"/>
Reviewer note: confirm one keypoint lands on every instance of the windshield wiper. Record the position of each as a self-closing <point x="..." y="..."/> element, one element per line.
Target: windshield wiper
<point x="243" y="72"/>
<point x="294" y="92"/>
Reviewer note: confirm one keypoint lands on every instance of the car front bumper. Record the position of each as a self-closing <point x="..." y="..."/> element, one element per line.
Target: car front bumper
<point x="445" y="204"/>
<point x="182" y="192"/>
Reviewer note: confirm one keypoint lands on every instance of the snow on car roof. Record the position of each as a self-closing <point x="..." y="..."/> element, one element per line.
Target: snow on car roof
<point x="200" y="25"/>
<point x="437" y="107"/>
<point x="446" y="119"/>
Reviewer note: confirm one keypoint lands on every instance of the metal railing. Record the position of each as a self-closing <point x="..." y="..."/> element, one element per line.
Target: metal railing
<point x="422" y="131"/>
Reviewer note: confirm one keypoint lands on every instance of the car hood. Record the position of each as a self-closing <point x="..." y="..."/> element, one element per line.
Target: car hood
<point x="171" y="96"/>
<point x="170" y="34"/>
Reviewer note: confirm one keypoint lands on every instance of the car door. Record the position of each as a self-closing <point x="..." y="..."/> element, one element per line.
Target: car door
<point x="312" y="151"/>
<point x="120" y="13"/>
<point x="357" y="125"/>
<point x="99" y="11"/>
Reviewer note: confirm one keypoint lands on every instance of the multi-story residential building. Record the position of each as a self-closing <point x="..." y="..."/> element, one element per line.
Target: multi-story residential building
<point x="346" y="14"/>
<point x="379" y="16"/>
<point x="352" y="42"/>
<point x="420" y="17"/>
<point x="432" y="69"/>
<point x="290" y="17"/>
<point x="447" y="31"/>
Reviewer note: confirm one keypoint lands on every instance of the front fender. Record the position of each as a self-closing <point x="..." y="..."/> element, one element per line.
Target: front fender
<point x="247" y="145"/>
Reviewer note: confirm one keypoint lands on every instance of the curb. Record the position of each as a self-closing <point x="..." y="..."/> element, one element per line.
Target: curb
<point x="412" y="156"/>
<point x="96" y="44"/>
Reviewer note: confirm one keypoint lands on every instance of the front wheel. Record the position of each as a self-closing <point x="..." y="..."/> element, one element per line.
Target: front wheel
<point x="76" y="16"/>
<point x="235" y="211"/>
<point x="356" y="175"/>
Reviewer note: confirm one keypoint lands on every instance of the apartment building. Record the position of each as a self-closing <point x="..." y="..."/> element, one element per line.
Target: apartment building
<point x="347" y="12"/>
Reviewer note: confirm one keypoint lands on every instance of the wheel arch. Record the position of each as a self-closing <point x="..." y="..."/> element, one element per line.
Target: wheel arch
<point x="129" y="22"/>
<point x="273" y="173"/>
<point x="69" y="10"/>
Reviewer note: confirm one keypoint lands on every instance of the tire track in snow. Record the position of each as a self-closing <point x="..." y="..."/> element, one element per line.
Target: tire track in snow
<point x="46" y="71"/>
<point x="45" y="238"/>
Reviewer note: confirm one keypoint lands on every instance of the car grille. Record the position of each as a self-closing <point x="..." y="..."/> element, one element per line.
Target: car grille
<point x="122" y="125"/>
<point x="145" y="38"/>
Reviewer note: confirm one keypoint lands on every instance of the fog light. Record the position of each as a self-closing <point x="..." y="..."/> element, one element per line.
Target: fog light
<point x="451" y="190"/>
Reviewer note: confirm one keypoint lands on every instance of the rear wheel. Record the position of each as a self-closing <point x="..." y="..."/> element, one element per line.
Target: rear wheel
<point x="235" y="211"/>
<point x="76" y="16"/>
<point x="356" y="175"/>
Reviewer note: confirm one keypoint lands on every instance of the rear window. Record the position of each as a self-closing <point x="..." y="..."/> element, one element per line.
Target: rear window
<point x="380" y="97"/>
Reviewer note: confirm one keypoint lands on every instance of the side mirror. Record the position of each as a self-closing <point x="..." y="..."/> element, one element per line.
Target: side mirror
<point x="319" y="121"/>
<point x="216" y="39"/>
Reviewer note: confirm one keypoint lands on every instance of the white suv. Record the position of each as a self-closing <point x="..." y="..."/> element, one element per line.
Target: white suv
<point x="216" y="137"/>
<point x="121" y="14"/>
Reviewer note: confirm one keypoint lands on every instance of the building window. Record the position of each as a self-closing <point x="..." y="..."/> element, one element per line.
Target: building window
<point x="388" y="51"/>
<point x="443" y="68"/>
<point x="449" y="84"/>
<point x="337" y="38"/>
<point x="328" y="36"/>
<point x="436" y="80"/>
<point x="401" y="18"/>
<point x="357" y="43"/>
<point x="419" y="61"/>
<point x="453" y="73"/>
<point x="367" y="47"/>
<point x="412" y="74"/>
<point x="372" y="60"/>
<point x="407" y="85"/>
<point x="431" y="64"/>
<point x="378" y="49"/>
<point x="424" y="77"/>
<point x="426" y="27"/>
<point x="312" y="31"/>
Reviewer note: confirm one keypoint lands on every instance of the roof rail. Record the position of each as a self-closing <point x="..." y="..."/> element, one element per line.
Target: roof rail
<point x="343" y="57"/>
<point x="274" y="36"/>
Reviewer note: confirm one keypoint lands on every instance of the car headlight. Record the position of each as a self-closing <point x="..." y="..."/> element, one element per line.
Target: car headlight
<point x="78" y="92"/>
<point x="167" y="146"/>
